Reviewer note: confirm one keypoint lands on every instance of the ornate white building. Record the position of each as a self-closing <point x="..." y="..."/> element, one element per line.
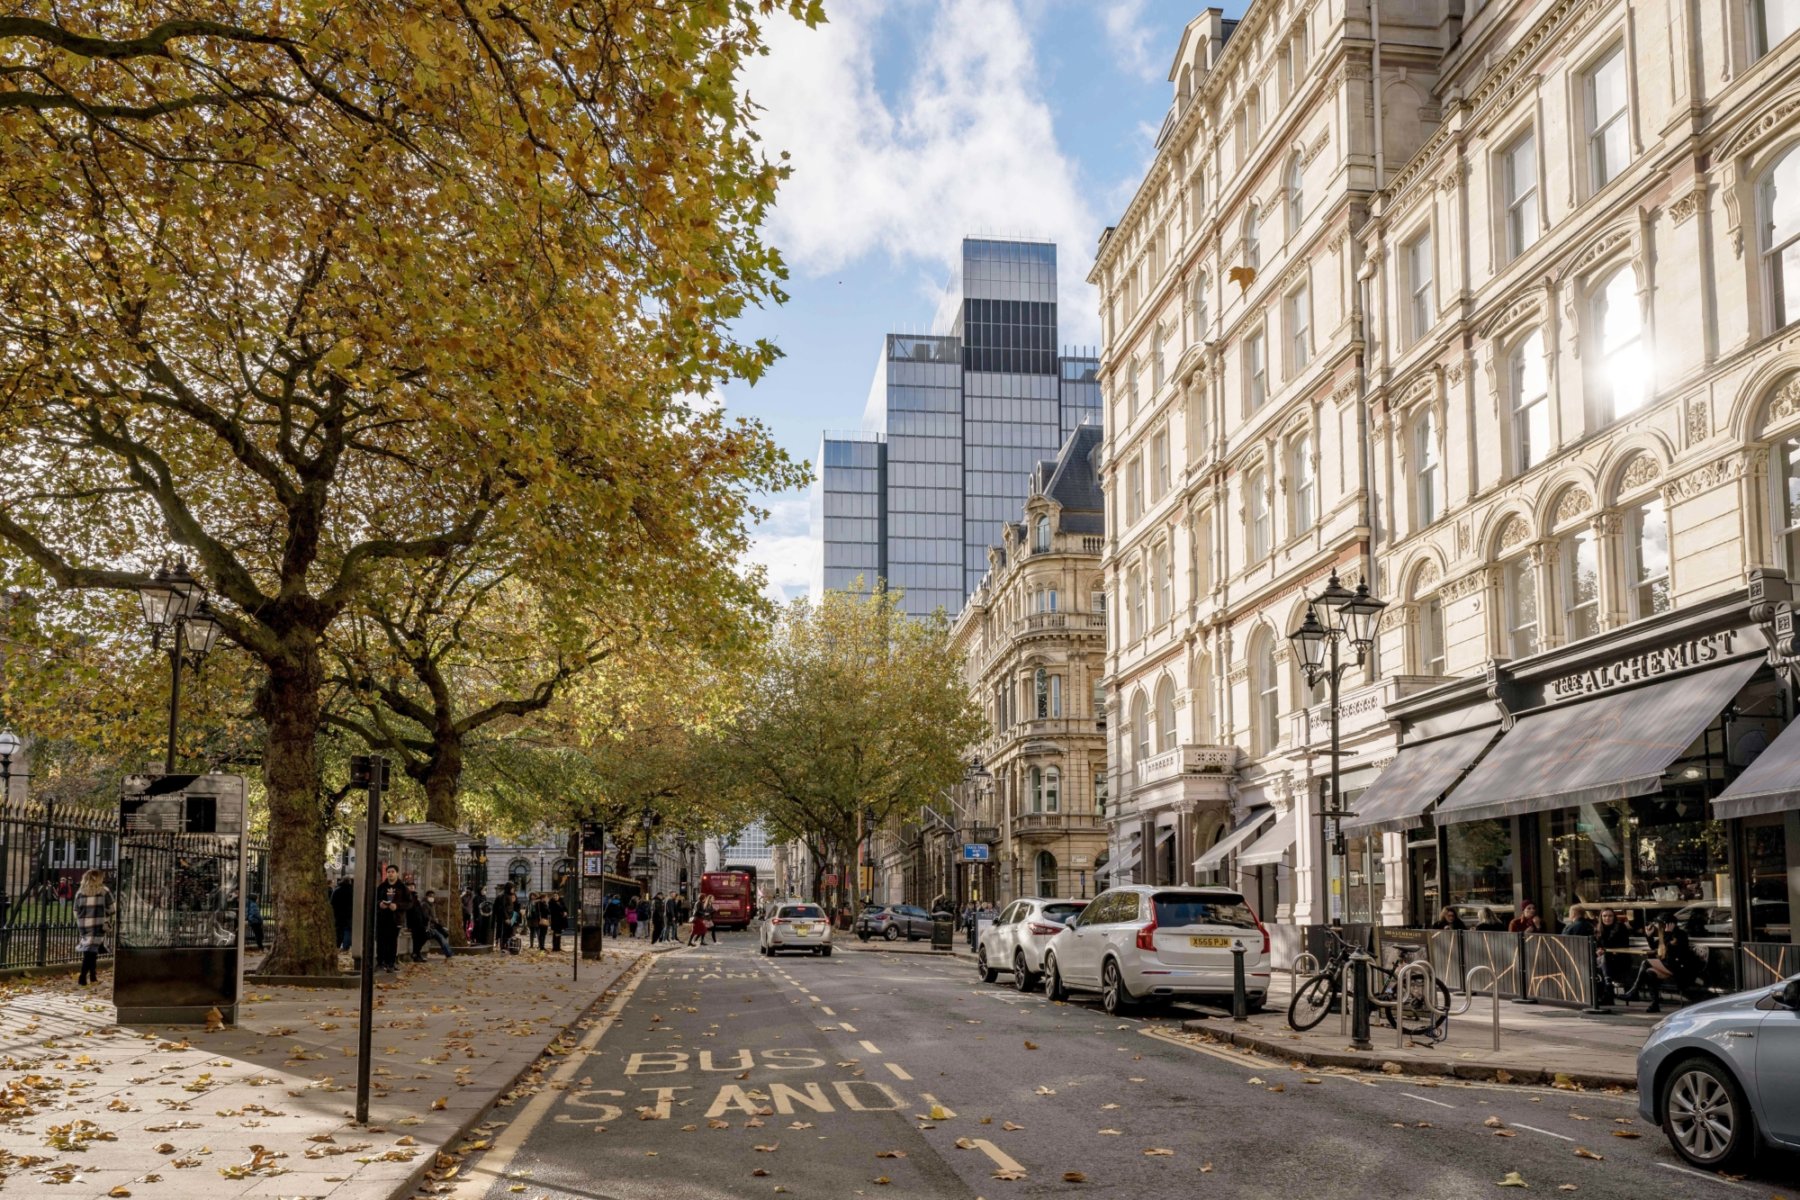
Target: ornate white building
<point x="1568" y="444"/>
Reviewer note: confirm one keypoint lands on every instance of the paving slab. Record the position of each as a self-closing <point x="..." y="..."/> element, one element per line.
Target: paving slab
<point x="94" y="1108"/>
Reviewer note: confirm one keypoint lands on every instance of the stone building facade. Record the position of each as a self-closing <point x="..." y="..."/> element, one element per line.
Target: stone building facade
<point x="1563" y="442"/>
<point x="1031" y="638"/>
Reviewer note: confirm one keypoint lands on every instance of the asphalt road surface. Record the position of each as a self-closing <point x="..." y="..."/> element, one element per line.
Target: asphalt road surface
<point x="718" y="1073"/>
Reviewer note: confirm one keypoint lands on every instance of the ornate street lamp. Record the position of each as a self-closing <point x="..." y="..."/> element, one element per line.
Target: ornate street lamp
<point x="9" y="746"/>
<point x="176" y="611"/>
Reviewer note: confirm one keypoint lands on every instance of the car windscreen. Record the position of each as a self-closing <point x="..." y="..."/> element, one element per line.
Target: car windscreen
<point x="1060" y="913"/>
<point x="808" y="911"/>
<point x="1176" y="909"/>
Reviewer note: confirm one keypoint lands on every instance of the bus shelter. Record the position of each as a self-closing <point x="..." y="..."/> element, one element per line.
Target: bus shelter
<point x="425" y="852"/>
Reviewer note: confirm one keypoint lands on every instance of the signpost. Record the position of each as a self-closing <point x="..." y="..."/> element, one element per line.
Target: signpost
<point x="973" y="852"/>
<point x="369" y="770"/>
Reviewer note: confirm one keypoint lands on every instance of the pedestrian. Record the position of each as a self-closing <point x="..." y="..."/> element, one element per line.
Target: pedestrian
<point x="93" y="918"/>
<point x="559" y="921"/>
<point x="659" y="913"/>
<point x="253" y="920"/>
<point x="390" y="893"/>
<point x="434" y="928"/>
<point x="540" y="920"/>
<point x="631" y="919"/>
<point x="484" y="919"/>
<point x="1527" y="921"/>
<point x="614" y="912"/>
<point x="468" y="912"/>
<point x="1447" y="919"/>
<point x="414" y="913"/>
<point x="702" y="914"/>
<point x="1578" y="924"/>
<point x="1488" y="921"/>
<point x="343" y="903"/>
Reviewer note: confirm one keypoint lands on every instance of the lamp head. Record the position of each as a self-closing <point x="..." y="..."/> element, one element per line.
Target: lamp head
<point x="9" y="743"/>
<point x="203" y="630"/>
<point x="1358" y="617"/>
<point x="1309" y="642"/>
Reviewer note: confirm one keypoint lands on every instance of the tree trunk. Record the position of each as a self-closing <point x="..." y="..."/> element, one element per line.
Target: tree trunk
<point x="305" y="940"/>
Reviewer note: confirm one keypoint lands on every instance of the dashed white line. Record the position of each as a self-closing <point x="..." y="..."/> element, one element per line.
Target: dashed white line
<point x="1563" y="1137"/>
<point x="1699" y="1174"/>
<point x="813" y="998"/>
<point x="933" y="1102"/>
<point x="847" y="1027"/>
<point x="866" y="1044"/>
<point x="1428" y="1100"/>
<point x="826" y="1011"/>
<point x="899" y="1073"/>
<point x="1002" y="1159"/>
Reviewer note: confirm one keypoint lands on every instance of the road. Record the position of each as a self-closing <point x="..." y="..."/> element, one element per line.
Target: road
<point x="717" y="1073"/>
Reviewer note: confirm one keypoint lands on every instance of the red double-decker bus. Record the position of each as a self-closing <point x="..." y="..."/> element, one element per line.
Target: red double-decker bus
<point x="734" y="897"/>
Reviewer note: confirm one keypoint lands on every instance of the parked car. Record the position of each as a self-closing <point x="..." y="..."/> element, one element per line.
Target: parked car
<point x="893" y="922"/>
<point x="1720" y="1075"/>
<point x="1142" y="942"/>
<point x="796" y="927"/>
<point x="1015" y="942"/>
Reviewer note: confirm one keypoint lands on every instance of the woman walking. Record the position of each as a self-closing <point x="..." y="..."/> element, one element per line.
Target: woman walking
<point x="702" y="920"/>
<point x="631" y="919"/>
<point x="93" y="917"/>
<point x="540" y="921"/>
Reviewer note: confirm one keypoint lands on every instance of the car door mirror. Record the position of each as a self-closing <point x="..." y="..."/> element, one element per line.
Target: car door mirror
<point x="1790" y="995"/>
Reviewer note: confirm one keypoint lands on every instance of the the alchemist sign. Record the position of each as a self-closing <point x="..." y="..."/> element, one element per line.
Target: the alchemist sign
<point x="1646" y="664"/>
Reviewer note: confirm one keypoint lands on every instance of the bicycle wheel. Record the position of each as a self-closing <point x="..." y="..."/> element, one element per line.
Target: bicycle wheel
<point x="1420" y="1022"/>
<point x="1311" y="1003"/>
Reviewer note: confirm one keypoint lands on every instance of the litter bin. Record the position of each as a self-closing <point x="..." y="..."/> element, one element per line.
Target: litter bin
<point x="943" y="931"/>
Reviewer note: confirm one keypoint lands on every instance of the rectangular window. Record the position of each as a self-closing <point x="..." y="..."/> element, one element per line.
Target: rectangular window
<point x="1609" y="147"/>
<point x="1134" y="481"/>
<point x="1521" y="608"/>
<point x="1159" y="450"/>
<point x="1649" y="531"/>
<point x="1256" y="505"/>
<point x="1299" y="323"/>
<point x="1519" y="194"/>
<point x="1581" y="584"/>
<point x="1420" y="307"/>
<point x="1300" y="478"/>
<point x="1165" y="584"/>
<point x="1429" y="469"/>
<point x="1530" y="386"/>
<point x="1256" y="371"/>
<point x="1100" y="703"/>
<point x="1056" y="695"/>
<point x="1431" y="637"/>
<point x="1771" y="23"/>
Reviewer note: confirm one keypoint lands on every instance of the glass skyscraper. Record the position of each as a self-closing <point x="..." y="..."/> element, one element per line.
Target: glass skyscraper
<point x="954" y="425"/>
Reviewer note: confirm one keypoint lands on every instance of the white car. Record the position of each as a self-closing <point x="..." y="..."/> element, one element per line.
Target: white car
<point x="1016" y="940"/>
<point x="1142" y="942"/>
<point x="796" y="927"/>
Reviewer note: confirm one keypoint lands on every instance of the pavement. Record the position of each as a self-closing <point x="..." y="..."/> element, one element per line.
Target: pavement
<point x="893" y="1072"/>
<point x="92" y="1108"/>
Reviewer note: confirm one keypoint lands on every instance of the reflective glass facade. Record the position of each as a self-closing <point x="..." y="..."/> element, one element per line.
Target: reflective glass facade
<point x="965" y="417"/>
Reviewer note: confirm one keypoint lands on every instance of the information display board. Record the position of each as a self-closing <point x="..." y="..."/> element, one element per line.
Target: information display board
<point x="180" y="894"/>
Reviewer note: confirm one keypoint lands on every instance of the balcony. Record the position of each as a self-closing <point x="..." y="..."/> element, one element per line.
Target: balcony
<point x="1046" y="826"/>
<point x="1183" y="761"/>
<point x="1052" y="621"/>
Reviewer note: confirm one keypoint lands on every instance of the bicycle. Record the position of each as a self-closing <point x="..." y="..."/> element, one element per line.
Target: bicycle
<point x="1323" y="990"/>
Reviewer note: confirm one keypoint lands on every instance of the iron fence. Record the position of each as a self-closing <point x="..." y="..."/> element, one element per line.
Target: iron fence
<point x="45" y="848"/>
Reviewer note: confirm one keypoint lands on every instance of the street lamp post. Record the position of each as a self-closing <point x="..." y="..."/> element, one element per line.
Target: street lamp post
<point x="1346" y="617"/>
<point x="176" y="609"/>
<point x="9" y="746"/>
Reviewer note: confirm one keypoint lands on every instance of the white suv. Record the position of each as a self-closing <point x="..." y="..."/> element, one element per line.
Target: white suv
<point x="1016" y="940"/>
<point x="1139" y="942"/>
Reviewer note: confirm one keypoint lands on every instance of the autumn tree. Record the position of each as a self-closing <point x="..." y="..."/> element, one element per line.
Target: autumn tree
<point x="855" y="708"/>
<point x="322" y="292"/>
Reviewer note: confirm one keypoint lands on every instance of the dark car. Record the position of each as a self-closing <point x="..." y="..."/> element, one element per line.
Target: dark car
<point x="892" y="922"/>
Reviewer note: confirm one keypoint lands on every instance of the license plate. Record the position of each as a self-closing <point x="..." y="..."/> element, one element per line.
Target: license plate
<point x="1210" y="943"/>
<point x="803" y="929"/>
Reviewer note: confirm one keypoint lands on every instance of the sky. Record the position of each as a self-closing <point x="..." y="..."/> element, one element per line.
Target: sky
<point x="910" y="124"/>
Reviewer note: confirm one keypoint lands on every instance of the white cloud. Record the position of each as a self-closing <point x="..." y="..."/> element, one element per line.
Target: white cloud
<point x="968" y="146"/>
<point x="785" y="547"/>
<point x="1130" y="39"/>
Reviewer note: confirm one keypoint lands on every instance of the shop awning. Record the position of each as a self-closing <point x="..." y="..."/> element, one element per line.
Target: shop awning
<point x="1164" y="836"/>
<point x="1415" y="779"/>
<point x="1268" y="849"/>
<point x="1128" y="858"/>
<point x="1609" y="748"/>
<point x="1251" y="825"/>
<point x="1770" y="784"/>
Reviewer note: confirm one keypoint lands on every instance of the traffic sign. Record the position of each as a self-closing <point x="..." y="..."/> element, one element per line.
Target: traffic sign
<point x="975" y="852"/>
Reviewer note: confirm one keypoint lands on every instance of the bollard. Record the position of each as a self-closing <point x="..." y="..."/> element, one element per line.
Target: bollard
<point x="1359" y="1013"/>
<point x="1240" y="1004"/>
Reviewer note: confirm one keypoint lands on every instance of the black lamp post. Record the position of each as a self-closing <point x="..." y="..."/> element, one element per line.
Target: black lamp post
<point x="176" y="610"/>
<point x="1333" y="617"/>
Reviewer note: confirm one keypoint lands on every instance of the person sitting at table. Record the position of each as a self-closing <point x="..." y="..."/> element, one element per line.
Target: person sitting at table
<point x="1613" y="935"/>
<point x="1527" y="921"/>
<point x="1672" y="961"/>
<point x="1447" y="919"/>
<point x="1488" y="922"/>
<point x="1579" y="925"/>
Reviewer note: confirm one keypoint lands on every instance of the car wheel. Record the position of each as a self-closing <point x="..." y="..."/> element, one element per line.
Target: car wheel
<point x="826" y="952"/>
<point x="1113" y="996"/>
<point x="892" y="934"/>
<point x="1024" y="980"/>
<point x="1053" y="980"/>
<point x="1705" y="1114"/>
<point x="987" y="973"/>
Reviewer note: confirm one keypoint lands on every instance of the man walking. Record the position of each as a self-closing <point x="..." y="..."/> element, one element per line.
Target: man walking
<point x="658" y="913"/>
<point x="414" y="913"/>
<point x="343" y="901"/>
<point x="390" y="895"/>
<point x="434" y="929"/>
<point x="559" y="921"/>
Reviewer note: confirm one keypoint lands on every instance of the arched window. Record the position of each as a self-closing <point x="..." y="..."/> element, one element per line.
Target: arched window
<point x="1043" y="534"/>
<point x="1623" y="365"/>
<point x="1200" y="315"/>
<point x="1647" y="526"/>
<point x="1428" y="469"/>
<point x="1187" y="83"/>
<point x="1296" y="194"/>
<point x="1140" y="725"/>
<point x="1529" y="387"/>
<point x="1046" y="874"/>
<point x="518" y="871"/>
<point x="1778" y="204"/>
<point x="1252" y="244"/>
<point x="1266" y="684"/>
<point x="1041" y="690"/>
<point x="1052" y="790"/>
<point x="1200" y="684"/>
<point x="1165" y="715"/>
<point x="1037" y="790"/>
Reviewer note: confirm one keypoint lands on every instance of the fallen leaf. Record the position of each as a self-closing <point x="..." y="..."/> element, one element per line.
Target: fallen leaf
<point x="120" y="1190"/>
<point x="440" y="1104"/>
<point x="1008" y="1174"/>
<point x="1584" y="1152"/>
<point x="1513" y="1179"/>
<point x="964" y="1143"/>
<point x="1392" y="1068"/>
<point x="759" y="1173"/>
<point x="1506" y="1077"/>
<point x="1010" y="1126"/>
<point x="1256" y="1079"/>
<point x="1280" y="1087"/>
<point x="1565" y="1187"/>
<point x="882" y="1179"/>
<point x="1045" y="1091"/>
<point x="1110" y="1133"/>
<point x="1074" y="1177"/>
<point x="890" y="1154"/>
<point x="1494" y="1123"/>
<point x="1159" y="1152"/>
<point x="1626" y="1133"/>
<point x="940" y="1113"/>
<point x="1206" y="1168"/>
<point x="769" y="1149"/>
<point x="715" y="1123"/>
<point x="1030" y="1045"/>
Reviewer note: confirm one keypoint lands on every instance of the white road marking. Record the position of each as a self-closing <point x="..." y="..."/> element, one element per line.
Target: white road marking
<point x="932" y="1101"/>
<point x="814" y="999"/>
<point x="1698" y="1174"/>
<point x="847" y="1027"/>
<point x="1002" y="1159"/>
<point x="898" y="1072"/>
<point x="826" y="1011"/>
<point x="866" y="1044"/>
<point x="1561" y="1137"/>
<point x="1428" y="1100"/>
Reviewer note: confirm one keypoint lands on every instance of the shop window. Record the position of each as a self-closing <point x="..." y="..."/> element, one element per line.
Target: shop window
<point x="1608" y="127"/>
<point x="1648" y="526"/>
<point x="1521" y="608"/>
<point x="1766" y="870"/>
<point x="1655" y="856"/>
<point x="1478" y="871"/>
<point x="1771" y="23"/>
<point x="1519" y="195"/>
<point x="1428" y="474"/>
<point x="1778" y="208"/>
<point x="1581" y="584"/>
<point x="1624" y="370"/>
<point x="1165" y="714"/>
<point x="1529" y="378"/>
<point x="1046" y="874"/>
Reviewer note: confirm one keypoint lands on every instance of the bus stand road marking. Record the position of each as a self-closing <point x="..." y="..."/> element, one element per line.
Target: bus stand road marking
<point x="1002" y="1160"/>
<point x="899" y="1073"/>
